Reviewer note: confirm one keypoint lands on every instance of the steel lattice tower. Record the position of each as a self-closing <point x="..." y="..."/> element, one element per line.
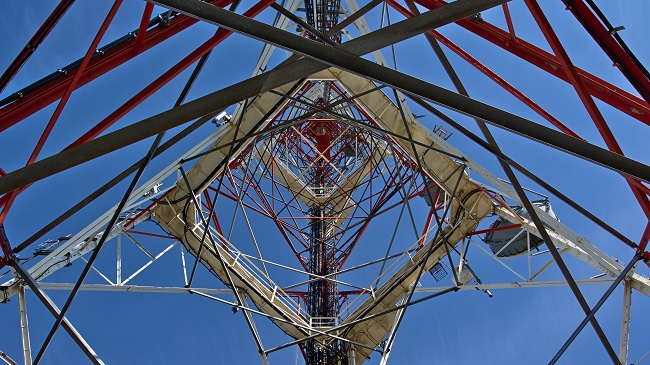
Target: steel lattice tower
<point x="317" y="193"/>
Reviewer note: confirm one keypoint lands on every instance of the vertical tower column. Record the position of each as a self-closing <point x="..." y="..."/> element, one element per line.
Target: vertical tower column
<point x="323" y="295"/>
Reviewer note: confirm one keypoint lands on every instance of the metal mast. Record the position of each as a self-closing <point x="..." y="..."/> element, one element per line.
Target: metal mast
<point x="322" y="293"/>
<point x="323" y="296"/>
<point x="321" y="201"/>
<point x="323" y="15"/>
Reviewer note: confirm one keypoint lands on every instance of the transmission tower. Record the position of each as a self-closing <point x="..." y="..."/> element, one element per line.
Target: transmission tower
<point x="331" y="199"/>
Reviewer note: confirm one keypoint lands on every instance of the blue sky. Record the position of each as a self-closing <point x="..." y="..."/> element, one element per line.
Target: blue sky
<point x="516" y="326"/>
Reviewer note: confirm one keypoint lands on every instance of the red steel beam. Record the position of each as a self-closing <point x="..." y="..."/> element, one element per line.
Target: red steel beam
<point x="5" y="247"/>
<point x="511" y="27"/>
<point x="144" y="23"/>
<point x="71" y="87"/>
<point x="215" y="220"/>
<point x="608" y="93"/>
<point x="489" y="73"/>
<point x="644" y="240"/>
<point x="610" y="46"/>
<point x="145" y="210"/>
<point x="7" y="199"/>
<point x="161" y="81"/>
<point x="273" y="216"/>
<point x="584" y="95"/>
<point x="64" y="100"/>
<point x="496" y="229"/>
<point x="34" y="42"/>
<point x="508" y="87"/>
<point x="45" y="95"/>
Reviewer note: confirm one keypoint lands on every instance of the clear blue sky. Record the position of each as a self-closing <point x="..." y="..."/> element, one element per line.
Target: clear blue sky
<point x="516" y="326"/>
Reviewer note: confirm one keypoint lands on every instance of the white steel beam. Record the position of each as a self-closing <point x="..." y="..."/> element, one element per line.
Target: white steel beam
<point x="181" y="219"/>
<point x="641" y="359"/>
<point x="443" y="170"/>
<point x="77" y="246"/>
<point x="595" y="257"/>
<point x="118" y="263"/>
<point x="267" y="51"/>
<point x="521" y="285"/>
<point x="212" y="291"/>
<point x="340" y="197"/>
<point x="55" y="311"/>
<point x="391" y="337"/>
<point x="582" y="250"/>
<point x="24" y="327"/>
<point x="132" y="288"/>
<point x="440" y="167"/>
<point x="625" y="322"/>
<point x="364" y="29"/>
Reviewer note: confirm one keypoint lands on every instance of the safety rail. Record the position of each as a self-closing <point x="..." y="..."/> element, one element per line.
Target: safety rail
<point x="323" y="322"/>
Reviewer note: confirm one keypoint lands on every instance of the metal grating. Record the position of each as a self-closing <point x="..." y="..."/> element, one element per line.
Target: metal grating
<point x="438" y="272"/>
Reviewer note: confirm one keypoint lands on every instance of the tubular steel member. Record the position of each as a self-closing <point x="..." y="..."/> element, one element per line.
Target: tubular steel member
<point x="64" y="99"/>
<point x="42" y="93"/>
<point x="387" y="115"/>
<point x="585" y="97"/>
<point x="337" y="148"/>
<point x="205" y="170"/>
<point x="323" y="15"/>
<point x="7" y="359"/>
<point x="625" y="322"/>
<point x="593" y="311"/>
<point x="240" y="299"/>
<point x="198" y="54"/>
